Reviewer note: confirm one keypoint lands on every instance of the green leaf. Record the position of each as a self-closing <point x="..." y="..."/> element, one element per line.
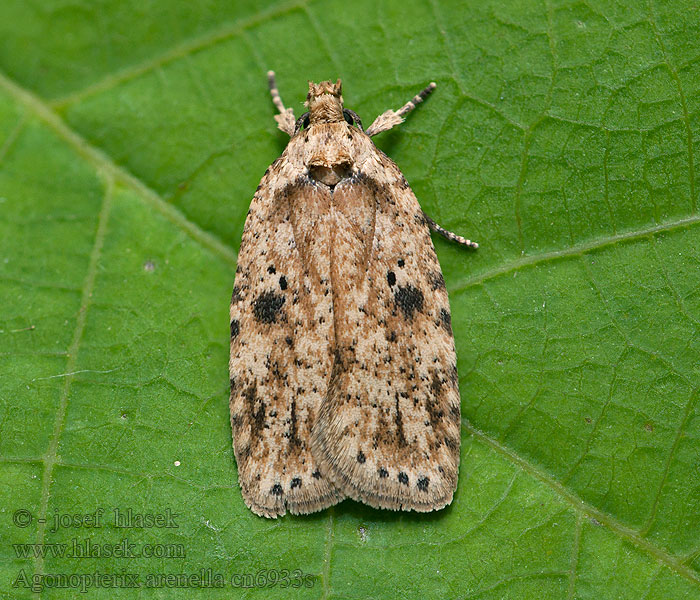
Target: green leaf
<point x="562" y="136"/>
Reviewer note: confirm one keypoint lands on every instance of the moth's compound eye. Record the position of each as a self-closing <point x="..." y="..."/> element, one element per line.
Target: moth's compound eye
<point x="352" y="118"/>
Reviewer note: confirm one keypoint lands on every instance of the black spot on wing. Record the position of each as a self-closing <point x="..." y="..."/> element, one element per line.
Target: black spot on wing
<point x="383" y="472"/>
<point x="391" y="278"/>
<point x="421" y="219"/>
<point x="236" y="295"/>
<point x="283" y="282"/>
<point x="423" y="484"/>
<point x="255" y="414"/>
<point x="267" y="306"/>
<point x="398" y="420"/>
<point x="437" y="281"/>
<point x="361" y="458"/>
<point x="403" y="478"/>
<point x="446" y="320"/>
<point x="296" y="482"/>
<point x="235" y="328"/>
<point x="294" y="441"/>
<point x="454" y="378"/>
<point x="276" y="490"/>
<point x="409" y="299"/>
<point x="244" y="455"/>
<point x="436" y="385"/>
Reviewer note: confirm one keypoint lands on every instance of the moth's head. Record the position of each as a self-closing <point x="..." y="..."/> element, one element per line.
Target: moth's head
<point x="325" y="102"/>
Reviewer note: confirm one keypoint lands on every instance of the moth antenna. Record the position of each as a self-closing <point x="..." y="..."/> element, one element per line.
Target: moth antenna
<point x="417" y="99"/>
<point x="274" y="92"/>
<point x="449" y="235"/>
<point x="285" y="120"/>
<point x="391" y="118"/>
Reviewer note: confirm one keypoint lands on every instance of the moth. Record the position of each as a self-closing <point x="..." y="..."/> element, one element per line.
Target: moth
<point x="343" y="367"/>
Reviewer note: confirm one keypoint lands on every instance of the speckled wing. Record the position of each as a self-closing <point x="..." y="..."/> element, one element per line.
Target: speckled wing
<point x="281" y="340"/>
<point x="388" y="432"/>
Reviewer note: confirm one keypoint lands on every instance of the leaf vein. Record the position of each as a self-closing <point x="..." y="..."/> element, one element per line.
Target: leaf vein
<point x="628" y="534"/>
<point x="106" y="167"/>
<point x="51" y="455"/>
<point x="179" y="51"/>
<point x="575" y="250"/>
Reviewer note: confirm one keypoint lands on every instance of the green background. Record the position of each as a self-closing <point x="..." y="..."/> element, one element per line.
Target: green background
<point x="562" y="136"/>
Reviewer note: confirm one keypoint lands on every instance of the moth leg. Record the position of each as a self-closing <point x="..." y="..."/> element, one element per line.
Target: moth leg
<point x="285" y="120"/>
<point x="448" y="235"/>
<point x="391" y="118"/>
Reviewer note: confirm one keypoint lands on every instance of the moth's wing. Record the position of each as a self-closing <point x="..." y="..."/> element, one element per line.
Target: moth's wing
<point x="389" y="430"/>
<point x="281" y="333"/>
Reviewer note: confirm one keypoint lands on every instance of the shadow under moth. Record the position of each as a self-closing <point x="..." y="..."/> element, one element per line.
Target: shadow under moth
<point x="343" y="368"/>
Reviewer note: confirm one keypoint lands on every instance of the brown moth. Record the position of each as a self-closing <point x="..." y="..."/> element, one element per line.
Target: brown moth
<point x="343" y="367"/>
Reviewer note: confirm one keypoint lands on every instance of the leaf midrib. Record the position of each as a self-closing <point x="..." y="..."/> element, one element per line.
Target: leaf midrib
<point x="108" y="169"/>
<point x="186" y="48"/>
<point x="675" y="563"/>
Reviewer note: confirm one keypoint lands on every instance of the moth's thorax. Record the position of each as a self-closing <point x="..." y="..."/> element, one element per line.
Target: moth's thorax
<point x="325" y="102"/>
<point x="329" y="149"/>
<point x="331" y="152"/>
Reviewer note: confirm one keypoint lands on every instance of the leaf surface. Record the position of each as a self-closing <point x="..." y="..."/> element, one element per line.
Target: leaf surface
<point x="562" y="137"/>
